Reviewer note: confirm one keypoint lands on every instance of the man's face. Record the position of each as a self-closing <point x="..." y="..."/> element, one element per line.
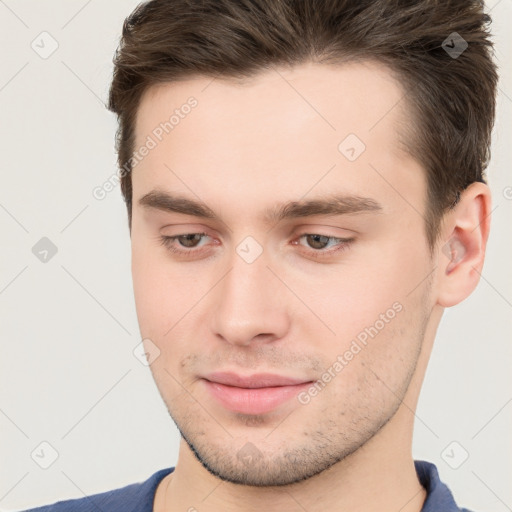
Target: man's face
<point x="340" y="298"/>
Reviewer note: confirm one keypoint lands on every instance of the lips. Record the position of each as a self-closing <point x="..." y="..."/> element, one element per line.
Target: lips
<point x="254" y="394"/>
<point x="260" y="380"/>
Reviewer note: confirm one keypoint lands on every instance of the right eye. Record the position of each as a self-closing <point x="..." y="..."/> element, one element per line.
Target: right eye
<point x="187" y="238"/>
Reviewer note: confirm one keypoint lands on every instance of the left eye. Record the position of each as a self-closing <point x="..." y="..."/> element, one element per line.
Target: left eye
<point x="316" y="241"/>
<point x="319" y="241"/>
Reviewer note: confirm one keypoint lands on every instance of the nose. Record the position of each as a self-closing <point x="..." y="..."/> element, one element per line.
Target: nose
<point x="250" y="304"/>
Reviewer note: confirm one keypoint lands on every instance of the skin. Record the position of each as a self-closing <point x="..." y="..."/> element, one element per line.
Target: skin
<point x="245" y="147"/>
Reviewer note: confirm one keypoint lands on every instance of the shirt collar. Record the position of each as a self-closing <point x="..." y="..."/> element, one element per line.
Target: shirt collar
<point x="439" y="497"/>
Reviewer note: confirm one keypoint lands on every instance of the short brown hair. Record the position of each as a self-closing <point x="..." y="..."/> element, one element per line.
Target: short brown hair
<point x="451" y="99"/>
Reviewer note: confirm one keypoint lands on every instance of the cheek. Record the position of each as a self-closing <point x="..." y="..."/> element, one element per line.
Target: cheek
<point x="378" y="300"/>
<point x="165" y="292"/>
<point x="151" y="286"/>
<point x="368" y="368"/>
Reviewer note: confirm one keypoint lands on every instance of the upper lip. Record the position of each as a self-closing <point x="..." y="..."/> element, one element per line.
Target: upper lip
<point x="258" y="380"/>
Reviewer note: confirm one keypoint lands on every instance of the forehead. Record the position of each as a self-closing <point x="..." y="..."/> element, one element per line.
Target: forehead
<point x="279" y="131"/>
<point x="355" y="96"/>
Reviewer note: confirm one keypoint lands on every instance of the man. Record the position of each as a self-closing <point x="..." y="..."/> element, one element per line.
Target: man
<point x="305" y="193"/>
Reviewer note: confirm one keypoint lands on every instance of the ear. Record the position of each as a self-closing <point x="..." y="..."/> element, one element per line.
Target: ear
<point x="462" y="245"/>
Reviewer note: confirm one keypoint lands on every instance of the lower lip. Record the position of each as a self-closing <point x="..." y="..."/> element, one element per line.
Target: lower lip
<point x="253" y="400"/>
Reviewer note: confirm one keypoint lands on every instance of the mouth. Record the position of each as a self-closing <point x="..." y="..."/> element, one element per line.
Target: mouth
<point x="255" y="394"/>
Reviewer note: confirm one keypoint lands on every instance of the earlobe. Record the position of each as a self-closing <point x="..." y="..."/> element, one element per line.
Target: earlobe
<point x="462" y="247"/>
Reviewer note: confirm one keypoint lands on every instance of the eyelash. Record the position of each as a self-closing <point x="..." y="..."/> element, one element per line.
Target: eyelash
<point x="166" y="241"/>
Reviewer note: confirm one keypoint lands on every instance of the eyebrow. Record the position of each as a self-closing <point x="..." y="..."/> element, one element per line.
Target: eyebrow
<point x="335" y="204"/>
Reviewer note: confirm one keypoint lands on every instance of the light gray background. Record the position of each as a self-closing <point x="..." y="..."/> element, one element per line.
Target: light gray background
<point x="68" y="326"/>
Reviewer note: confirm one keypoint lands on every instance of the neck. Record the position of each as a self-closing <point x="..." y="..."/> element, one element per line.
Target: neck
<point x="379" y="477"/>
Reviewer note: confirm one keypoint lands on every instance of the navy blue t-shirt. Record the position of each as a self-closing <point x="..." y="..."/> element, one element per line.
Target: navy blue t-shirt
<point x="139" y="497"/>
